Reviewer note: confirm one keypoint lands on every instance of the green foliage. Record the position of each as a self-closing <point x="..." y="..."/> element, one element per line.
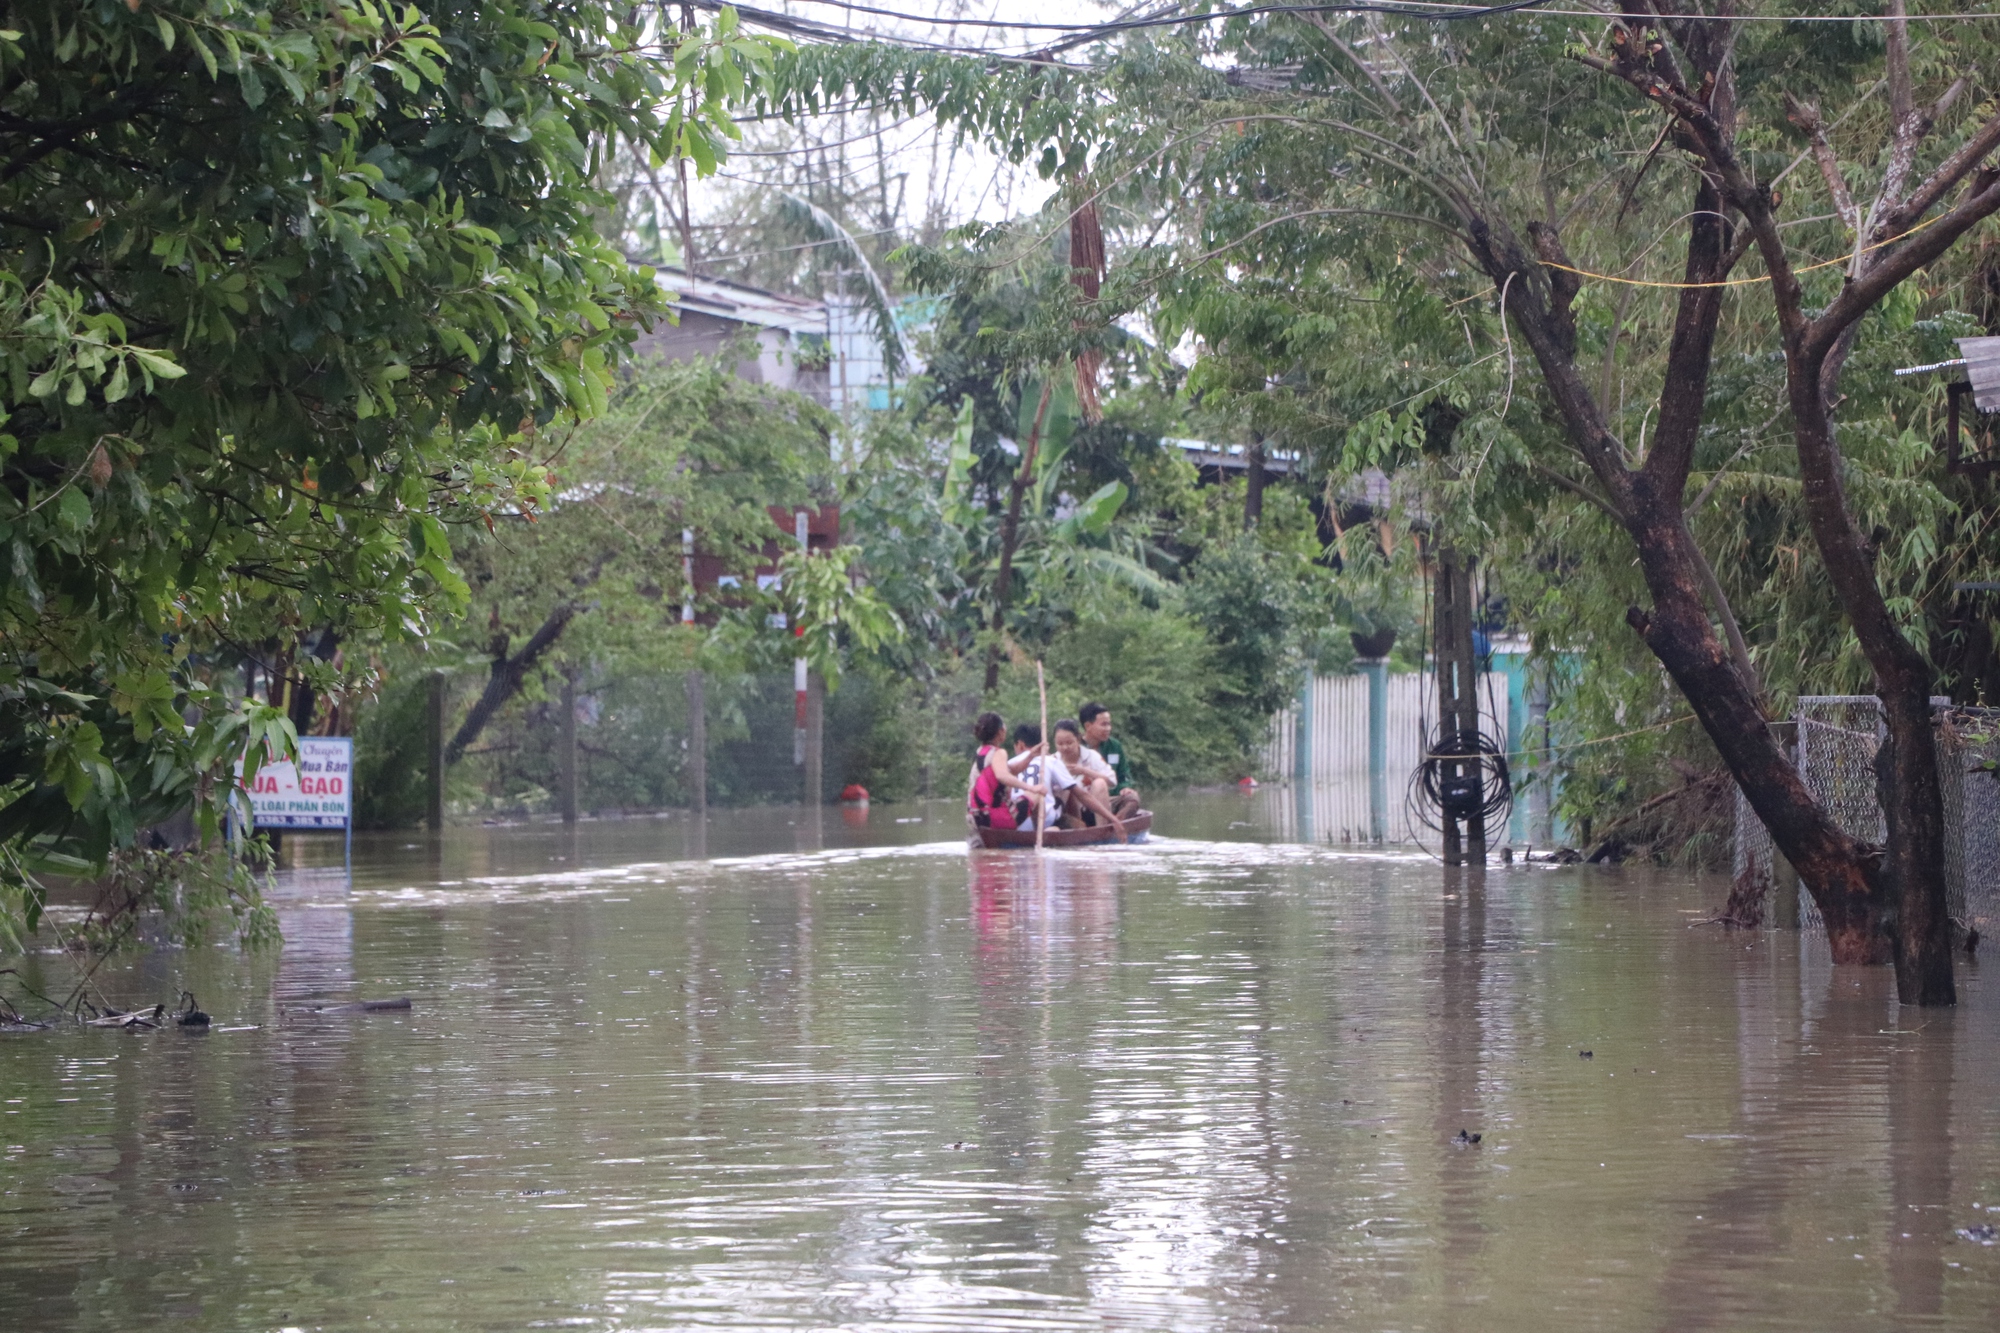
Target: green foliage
<point x="187" y="898"/>
<point x="195" y="897"/>
<point x="1042" y="111"/>
<point x="289" y="287"/>
<point x="392" y="747"/>
<point x="834" y="610"/>
<point x="1163" y="679"/>
<point x="914" y="532"/>
<point x="682" y="446"/>
<point x="80" y="774"/>
<point x="1248" y="600"/>
<point x="1292" y="192"/>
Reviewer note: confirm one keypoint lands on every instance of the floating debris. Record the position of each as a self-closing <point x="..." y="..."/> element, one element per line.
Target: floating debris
<point x="1983" y="1234"/>
<point x="357" y="1007"/>
<point x="137" y="1018"/>
<point x="1466" y="1139"/>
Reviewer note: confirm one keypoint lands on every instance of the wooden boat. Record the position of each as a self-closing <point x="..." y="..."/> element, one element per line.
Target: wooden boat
<point x="1136" y="829"/>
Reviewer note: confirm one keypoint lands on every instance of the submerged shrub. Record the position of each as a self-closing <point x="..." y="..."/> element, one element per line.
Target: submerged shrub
<point x="187" y="897"/>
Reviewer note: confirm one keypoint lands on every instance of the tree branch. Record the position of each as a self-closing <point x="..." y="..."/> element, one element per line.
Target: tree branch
<point x="1894" y="265"/>
<point x="509" y="673"/>
<point x="1739" y="651"/>
<point x="1806" y="116"/>
<point x="1579" y="489"/>
<point x="1691" y="351"/>
<point x="1939" y="183"/>
<point x="1367" y="70"/>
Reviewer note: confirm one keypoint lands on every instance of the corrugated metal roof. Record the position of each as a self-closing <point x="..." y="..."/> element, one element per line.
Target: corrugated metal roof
<point x="1982" y="367"/>
<point x="744" y="305"/>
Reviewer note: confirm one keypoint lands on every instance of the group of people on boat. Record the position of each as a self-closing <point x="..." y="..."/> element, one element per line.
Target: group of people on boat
<point x="1083" y="782"/>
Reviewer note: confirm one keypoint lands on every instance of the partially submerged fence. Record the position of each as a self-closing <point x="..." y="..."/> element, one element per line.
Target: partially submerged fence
<point x="1353" y="742"/>
<point x="1835" y="740"/>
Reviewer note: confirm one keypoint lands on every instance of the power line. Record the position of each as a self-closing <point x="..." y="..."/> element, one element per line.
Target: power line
<point x="735" y="153"/>
<point x="1005" y="25"/>
<point x="1080" y="33"/>
<point x="1777" y="18"/>
<point x="1413" y="9"/>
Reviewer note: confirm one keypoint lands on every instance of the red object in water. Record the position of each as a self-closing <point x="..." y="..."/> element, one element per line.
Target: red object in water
<point x="1248" y="784"/>
<point x="855" y="815"/>
<point x="854" y="793"/>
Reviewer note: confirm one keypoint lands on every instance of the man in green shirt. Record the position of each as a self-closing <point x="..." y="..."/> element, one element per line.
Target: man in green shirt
<point x="1096" y="720"/>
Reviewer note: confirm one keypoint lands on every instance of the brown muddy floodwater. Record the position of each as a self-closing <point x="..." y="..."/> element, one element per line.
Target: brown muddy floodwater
<point x="1208" y="1084"/>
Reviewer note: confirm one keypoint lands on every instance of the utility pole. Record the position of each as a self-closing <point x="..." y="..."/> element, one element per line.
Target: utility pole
<point x="1541" y="831"/>
<point x="1253" y="481"/>
<point x="808" y="692"/>
<point x="697" y="693"/>
<point x="567" y="742"/>
<point x="1461" y="775"/>
<point x="434" y="747"/>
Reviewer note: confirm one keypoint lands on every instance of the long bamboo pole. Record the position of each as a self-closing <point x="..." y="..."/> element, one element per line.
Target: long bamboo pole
<point x="1042" y="815"/>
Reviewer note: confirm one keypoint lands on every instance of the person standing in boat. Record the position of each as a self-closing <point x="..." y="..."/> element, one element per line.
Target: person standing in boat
<point x="1096" y="720"/>
<point x="986" y="798"/>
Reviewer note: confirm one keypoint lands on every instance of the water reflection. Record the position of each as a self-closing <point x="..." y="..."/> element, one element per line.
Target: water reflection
<point x="1196" y="1085"/>
<point x="315" y="913"/>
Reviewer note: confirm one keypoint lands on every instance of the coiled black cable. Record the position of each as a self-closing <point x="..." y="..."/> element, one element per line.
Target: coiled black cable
<point x="1484" y="787"/>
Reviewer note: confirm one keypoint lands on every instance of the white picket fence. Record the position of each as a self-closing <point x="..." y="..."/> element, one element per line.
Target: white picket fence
<point x="1336" y="764"/>
<point x="1338" y="737"/>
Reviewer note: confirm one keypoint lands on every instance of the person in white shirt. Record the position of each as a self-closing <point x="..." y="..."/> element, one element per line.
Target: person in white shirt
<point x="1065" y="793"/>
<point x="1093" y="768"/>
<point x="1045" y="776"/>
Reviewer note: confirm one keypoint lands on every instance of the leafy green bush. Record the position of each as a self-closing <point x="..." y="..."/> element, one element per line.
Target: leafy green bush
<point x="1160" y="676"/>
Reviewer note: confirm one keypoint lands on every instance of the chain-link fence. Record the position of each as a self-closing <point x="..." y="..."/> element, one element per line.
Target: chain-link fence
<point x="633" y="735"/>
<point x="1836" y="738"/>
<point x="1969" y="755"/>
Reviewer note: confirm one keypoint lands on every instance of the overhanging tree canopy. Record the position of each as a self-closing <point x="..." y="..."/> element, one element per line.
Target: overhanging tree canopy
<point x="1485" y="181"/>
<point x="286" y="287"/>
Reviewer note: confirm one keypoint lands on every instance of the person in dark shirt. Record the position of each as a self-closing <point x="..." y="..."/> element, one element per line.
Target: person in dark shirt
<point x="1096" y="720"/>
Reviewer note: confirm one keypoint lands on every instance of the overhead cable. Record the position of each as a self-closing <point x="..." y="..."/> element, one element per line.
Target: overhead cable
<point x="1744" y="282"/>
<point x="1080" y="33"/>
<point x="1419" y="9"/>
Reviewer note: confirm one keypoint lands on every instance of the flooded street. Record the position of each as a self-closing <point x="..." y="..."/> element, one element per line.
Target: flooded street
<point x="1213" y="1083"/>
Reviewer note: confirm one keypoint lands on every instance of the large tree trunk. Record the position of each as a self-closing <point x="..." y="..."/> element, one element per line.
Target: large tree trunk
<point x="1878" y="907"/>
<point x="1909" y="899"/>
<point x="1911" y="795"/>
<point x="1647" y="502"/>
<point x="1837" y="868"/>
<point x="1010" y="535"/>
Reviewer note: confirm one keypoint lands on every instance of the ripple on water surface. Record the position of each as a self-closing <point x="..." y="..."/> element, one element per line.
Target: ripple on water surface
<point x="1190" y="1085"/>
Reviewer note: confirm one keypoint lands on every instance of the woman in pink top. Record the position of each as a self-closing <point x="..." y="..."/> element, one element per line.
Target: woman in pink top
<point x="993" y="773"/>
